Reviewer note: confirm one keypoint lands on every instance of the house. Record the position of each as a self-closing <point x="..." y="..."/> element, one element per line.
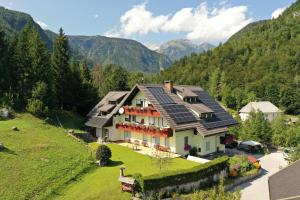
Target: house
<point x="285" y="184"/>
<point x="269" y="110"/>
<point x="165" y="117"/>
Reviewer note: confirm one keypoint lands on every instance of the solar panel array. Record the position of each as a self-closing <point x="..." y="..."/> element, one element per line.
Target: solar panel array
<point x="160" y="95"/>
<point x="179" y="113"/>
<point x="221" y="118"/>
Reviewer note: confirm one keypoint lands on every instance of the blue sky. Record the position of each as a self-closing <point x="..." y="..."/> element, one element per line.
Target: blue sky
<point x="151" y="22"/>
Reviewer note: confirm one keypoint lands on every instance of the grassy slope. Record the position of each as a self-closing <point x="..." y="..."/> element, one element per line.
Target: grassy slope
<point x="39" y="158"/>
<point x="103" y="183"/>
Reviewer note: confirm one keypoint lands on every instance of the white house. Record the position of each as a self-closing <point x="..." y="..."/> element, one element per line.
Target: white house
<point x="270" y="110"/>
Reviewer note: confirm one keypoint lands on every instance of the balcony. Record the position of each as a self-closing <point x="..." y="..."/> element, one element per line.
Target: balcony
<point x="149" y="130"/>
<point x="141" y="111"/>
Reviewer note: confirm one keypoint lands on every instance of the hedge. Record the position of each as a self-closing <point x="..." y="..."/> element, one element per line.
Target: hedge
<point x="172" y="178"/>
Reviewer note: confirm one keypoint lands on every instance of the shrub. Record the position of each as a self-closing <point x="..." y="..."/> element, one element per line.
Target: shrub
<point x="103" y="154"/>
<point x="193" y="151"/>
<point x="172" y="178"/>
<point x="37" y="108"/>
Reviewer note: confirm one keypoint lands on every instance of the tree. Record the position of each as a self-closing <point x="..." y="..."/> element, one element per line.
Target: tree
<point x="279" y="129"/>
<point x="256" y="128"/>
<point x="60" y="63"/>
<point x="103" y="154"/>
<point x="113" y="78"/>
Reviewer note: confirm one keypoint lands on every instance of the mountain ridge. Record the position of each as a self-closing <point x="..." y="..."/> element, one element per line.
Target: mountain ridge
<point x="178" y="48"/>
<point x="110" y="50"/>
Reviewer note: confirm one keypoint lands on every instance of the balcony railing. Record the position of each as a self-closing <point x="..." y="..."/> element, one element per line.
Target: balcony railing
<point x="141" y="111"/>
<point x="149" y="130"/>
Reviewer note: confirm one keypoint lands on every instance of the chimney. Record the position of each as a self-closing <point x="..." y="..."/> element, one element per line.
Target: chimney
<point x="169" y="85"/>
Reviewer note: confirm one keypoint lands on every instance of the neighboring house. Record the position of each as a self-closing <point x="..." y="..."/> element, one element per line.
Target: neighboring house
<point x="173" y="118"/>
<point x="269" y="110"/>
<point x="285" y="184"/>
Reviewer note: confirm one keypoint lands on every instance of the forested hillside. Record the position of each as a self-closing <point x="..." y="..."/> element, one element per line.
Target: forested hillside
<point x="34" y="79"/>
<point x="262" y="61"/>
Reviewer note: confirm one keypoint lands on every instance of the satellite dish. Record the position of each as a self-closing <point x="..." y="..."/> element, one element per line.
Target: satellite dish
<point x="121" y="110"/>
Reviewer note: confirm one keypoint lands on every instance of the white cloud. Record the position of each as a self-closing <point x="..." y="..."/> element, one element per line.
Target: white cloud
<point x="278" y="12"/>
<point x="200" y="24"/>
<point x="112" y="33"/>
<point x="152" y="46"/>
<point x="42" y="24"/>
<point x="140" y="21"/>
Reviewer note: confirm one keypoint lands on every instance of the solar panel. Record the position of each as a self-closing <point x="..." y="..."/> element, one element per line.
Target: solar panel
<point x="179" y="113"/>
<point x="221" y="118"/>
<point x="160" y="95"/>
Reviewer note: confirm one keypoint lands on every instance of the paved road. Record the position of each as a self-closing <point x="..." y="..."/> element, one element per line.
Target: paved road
<point x="257" y="189"/>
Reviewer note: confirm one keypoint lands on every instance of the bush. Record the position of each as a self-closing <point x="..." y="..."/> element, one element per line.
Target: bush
<point x="193" y="151"/>
<point x="103" y="154"/>
<point x="207" y="170"/>
<point x="37" y="108"/>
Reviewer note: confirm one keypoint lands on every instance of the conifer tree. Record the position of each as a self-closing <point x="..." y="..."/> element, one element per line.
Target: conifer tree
<point x="60" y="63"/>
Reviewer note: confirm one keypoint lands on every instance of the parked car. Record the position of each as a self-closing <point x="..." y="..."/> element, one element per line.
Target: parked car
<point x="250" y="146"/>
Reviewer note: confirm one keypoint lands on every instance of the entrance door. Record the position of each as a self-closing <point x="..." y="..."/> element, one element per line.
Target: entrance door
<point x="105" y="135"/>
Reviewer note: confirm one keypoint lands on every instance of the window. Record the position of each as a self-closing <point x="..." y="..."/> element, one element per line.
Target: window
<point x="145" y="137"/>
<point x="127" y="135"/>
<point x="156" y="140"/>
<point x="151" y="120"/>
<point x="128" y="118"/>
<point x="134" y="118"/>
<point x="167" y="142"/>
<point x="139" y="103"/>
<point x="186" y="140"/>
<point x="207" y="146"/>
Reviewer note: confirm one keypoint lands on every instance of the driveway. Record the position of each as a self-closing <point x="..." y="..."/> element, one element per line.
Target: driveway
<point x="257" y="189"/>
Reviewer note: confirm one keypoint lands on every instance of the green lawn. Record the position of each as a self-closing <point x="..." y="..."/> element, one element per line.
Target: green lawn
<point x="102" y="183"/>
<point x="39" y="159"/>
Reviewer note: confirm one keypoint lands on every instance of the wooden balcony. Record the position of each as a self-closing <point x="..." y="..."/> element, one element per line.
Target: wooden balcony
<point x="149" y="130"/>
<point x="141" y="111"/>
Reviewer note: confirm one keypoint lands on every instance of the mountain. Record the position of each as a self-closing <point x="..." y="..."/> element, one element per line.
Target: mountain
<point x="260" y="62"/>
<point x="14" y="21"/>
<point x="129" y="54"/>
<point x="176" y="49"/>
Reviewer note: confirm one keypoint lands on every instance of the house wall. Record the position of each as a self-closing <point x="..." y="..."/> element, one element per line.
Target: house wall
<point x="99" y="132"/>
<point x="268" y="116"/>
<point x="198" y="141"/>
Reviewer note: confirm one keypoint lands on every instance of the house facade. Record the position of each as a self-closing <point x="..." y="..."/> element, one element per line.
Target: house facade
<point x="165" y="117"/>
<point x="269" y="110"/>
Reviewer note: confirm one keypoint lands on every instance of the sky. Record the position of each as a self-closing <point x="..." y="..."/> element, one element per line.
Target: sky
<point x="151" y="22"/>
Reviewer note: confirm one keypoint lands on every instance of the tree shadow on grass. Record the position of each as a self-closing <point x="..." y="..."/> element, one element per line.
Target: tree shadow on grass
<point x="114" y="163"/>
<point x="8" y="151"/>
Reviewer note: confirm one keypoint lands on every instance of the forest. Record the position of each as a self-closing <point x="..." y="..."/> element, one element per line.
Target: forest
<point x="261" y="62"/>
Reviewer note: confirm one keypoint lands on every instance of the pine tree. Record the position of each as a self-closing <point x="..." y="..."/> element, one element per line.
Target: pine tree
<point x="3" y="66"/>
<point x="60" y="63"/>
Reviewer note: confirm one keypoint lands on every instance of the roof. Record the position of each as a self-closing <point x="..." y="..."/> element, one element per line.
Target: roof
<point x="176" y="100"/>
<point x="111" y="96"/>
<point x="263" y="106"/>
<point x="94" y="120"/>
<point x="164" y="102"/>
<point x="201" y="108"/>
<point x="107" y="107"/>
<point x="285" y="184"/>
